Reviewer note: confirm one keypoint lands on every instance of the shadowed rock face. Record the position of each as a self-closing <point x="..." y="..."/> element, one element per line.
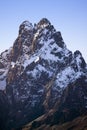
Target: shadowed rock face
<point x="39" y="74"/>
<point x="4" y="110"/>
<point x="1" y="65"/>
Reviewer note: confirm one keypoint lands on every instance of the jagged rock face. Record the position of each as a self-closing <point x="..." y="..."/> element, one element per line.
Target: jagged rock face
<point x="24" y="39"/>
<point x="4" y="63"/>
<point x="38" y="70"/>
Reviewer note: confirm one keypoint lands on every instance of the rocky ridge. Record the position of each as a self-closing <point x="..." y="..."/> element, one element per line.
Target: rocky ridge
<point x="39" y="74"/>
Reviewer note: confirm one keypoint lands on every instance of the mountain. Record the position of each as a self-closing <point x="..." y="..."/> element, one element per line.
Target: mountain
<point x="39" y="76"/>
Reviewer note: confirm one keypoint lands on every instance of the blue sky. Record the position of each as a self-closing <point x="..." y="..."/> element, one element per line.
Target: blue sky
<point x="67" y="16"/>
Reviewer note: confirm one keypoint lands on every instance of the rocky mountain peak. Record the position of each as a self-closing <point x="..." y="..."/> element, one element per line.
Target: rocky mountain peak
<point x="25" y="26"/>
<point x="79" y="60"/>
<point x="77" y="53"/>
<point x="23" y="41"/>
<point x="38" y="72"/>
<point x="44" y="22"/>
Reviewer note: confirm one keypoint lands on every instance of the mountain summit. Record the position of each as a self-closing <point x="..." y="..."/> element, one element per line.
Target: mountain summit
<point x="39" y="76"/>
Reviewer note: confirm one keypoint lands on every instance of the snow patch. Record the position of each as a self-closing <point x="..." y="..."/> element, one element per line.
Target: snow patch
<point x="37" y="59"/>
<point x="2" y="84"/>
<point x="3" y="78"/>
<point x="36" y="34"/>
<point x="78" y="61"/>
<point x="5" y="53"/>
<point x="12" y="64"/>
<point x="44" y="25"/>
<point x="28" y="25"/>
<point x="68" y="75"/>
<point x="46" y="49"/>
<point x="37" y="71"/>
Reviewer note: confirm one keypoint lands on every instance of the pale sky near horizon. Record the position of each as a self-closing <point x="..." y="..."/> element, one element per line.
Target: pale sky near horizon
<point x="67" y="16"/>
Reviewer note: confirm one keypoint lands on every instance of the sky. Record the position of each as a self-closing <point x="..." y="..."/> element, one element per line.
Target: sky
<point x="67" y="16"/>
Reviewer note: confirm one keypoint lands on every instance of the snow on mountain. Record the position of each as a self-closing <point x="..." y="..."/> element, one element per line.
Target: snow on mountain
<point x="37" y="70"/>
<point x="44" y="47"/>
<point x="5" y="61"/>
<point x="68" y="75"/>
